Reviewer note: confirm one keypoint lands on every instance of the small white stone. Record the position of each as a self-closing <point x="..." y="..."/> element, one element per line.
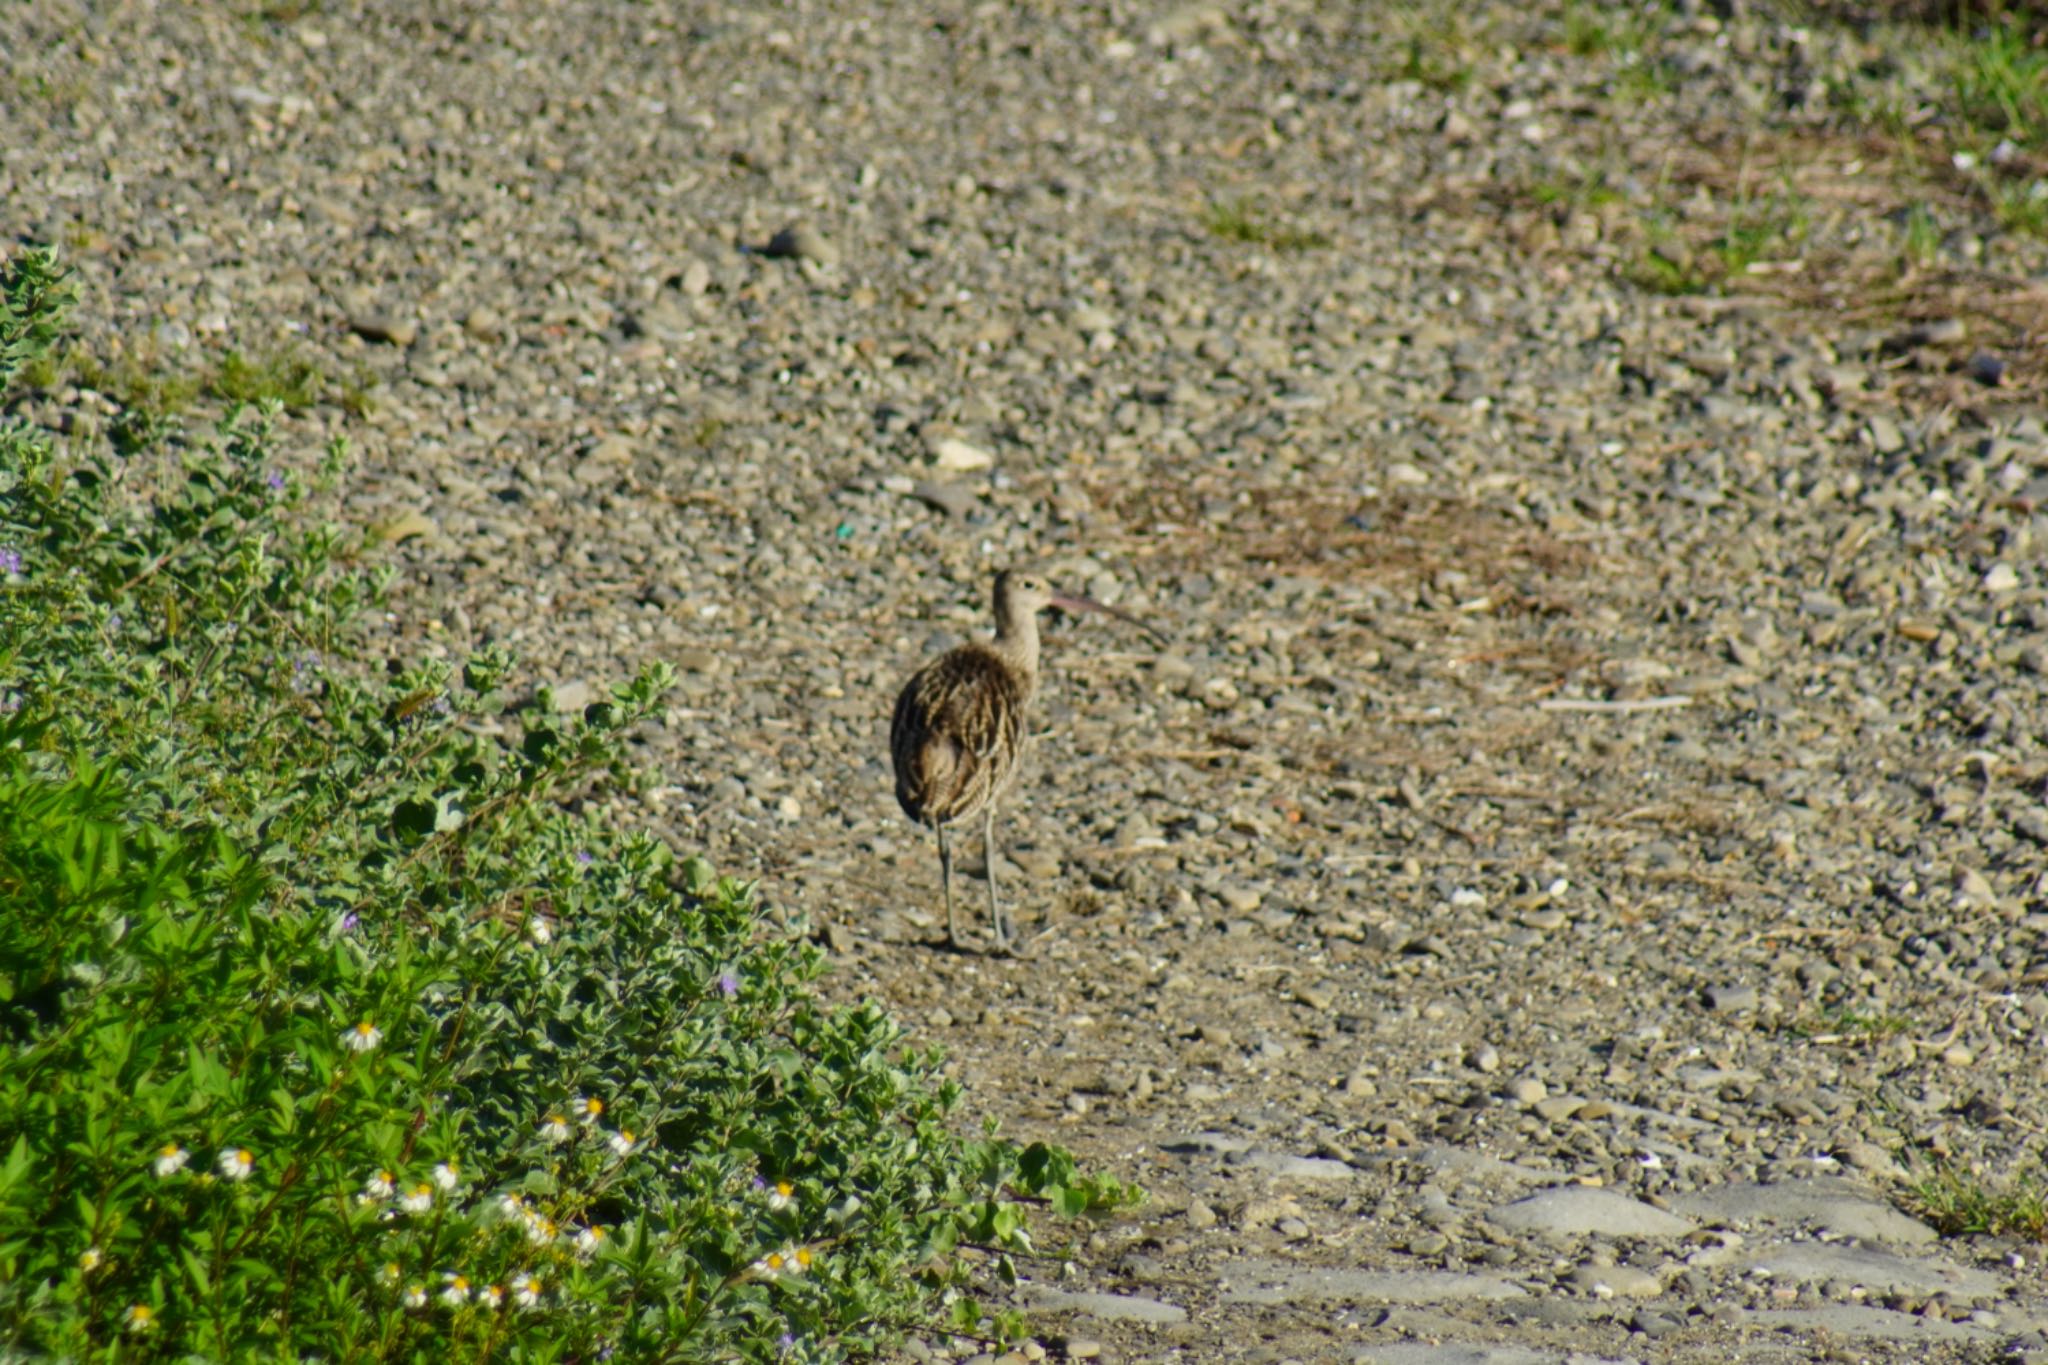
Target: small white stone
<point x="959" y="456"/>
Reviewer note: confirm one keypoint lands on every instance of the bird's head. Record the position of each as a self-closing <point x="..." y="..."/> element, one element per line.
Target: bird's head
<point x="1021" y="595"/>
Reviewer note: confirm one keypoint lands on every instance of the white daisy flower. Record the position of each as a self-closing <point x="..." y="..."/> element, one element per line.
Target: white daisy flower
<point x="139" y="1318"/>
<point x="415" y="1296"/>
<point x="537" y="929"/>
<point x="781" y="1196"/>
<point x="447" y="1175"/>
<point x="378" y="1187"/>
<point x="526" y="1290"/>
<point x="622" y="1141"/>
<point x="554" y="1128"/>
<point x="455" y="1289"/>
<point x="788" y="1261"/>
<point x="589" y="1240"/>
<point x="540" y="1231"/>
<point x="418" y="1199"/>
<point x="362" y="1037"/>
<point x="587" y="1109"/>
<point x="170" y="1159"/>
<point x="390" y="1273"/>
<point x="490" y="1296"/>
<point x="89" y="1259"/>
<point x="511" y="1205"/>
<point x="236" y="1163"/>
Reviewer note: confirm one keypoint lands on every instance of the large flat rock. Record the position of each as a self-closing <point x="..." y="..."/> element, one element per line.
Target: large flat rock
<point x="1872" y="1267"/>
<point x="1866" y="1323"/>
<point x="1584" y="1210"/>
<point x="1257" y="1281"/>
<point x="1843" y="1207"/>
<point x="1115" y="1307"/>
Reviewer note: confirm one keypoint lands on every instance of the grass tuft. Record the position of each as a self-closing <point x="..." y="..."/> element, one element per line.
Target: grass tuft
<point x="1242" y="219"/>
<point x="285" y="377"/>
<point x="1959" y="1203"/>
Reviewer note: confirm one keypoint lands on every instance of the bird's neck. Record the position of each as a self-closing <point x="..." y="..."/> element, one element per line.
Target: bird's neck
<point x="1017" y="640"/>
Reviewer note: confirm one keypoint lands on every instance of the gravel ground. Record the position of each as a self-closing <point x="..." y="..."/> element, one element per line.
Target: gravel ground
<point x="1585" y="838"/>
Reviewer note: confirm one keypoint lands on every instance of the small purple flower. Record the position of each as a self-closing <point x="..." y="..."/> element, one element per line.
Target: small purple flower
<point x="583" y="857"/>
<point x="348" y="923"/>
<point x="787" y="1341"/>
<point x="759" y="1183"/>
<point x="275" y="478"/>
<point x="10" y="559"/>
<point x="729" y="984"/>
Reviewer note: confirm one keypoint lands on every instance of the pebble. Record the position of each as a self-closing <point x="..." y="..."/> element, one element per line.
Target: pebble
<point x="952" y="499"/>
<point x="388" y="328"/>
<point x="801" y="241"/>
<point x="1729" y="999"/>
<point x="956" y="456"/>
<point x="1525" y="1091"/>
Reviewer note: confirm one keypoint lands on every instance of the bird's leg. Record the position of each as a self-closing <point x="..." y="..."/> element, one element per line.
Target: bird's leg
<point x="988" y="855"/>
<point x="946" y="881"/>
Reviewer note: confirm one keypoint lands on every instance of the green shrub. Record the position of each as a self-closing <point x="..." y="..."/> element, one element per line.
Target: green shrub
<point x="327" y="1029"/>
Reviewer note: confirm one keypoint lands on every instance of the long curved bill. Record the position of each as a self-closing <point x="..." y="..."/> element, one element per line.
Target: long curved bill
<point x="1067" y="602"/>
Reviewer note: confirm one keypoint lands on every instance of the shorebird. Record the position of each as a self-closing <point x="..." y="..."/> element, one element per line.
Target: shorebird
<point x="960" y="727"/>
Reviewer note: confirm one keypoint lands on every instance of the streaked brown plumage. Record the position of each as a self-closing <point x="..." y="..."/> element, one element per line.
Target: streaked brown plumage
<point x="960" y="728"/>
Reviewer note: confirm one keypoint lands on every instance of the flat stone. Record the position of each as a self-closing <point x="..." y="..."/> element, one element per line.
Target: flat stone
<point x="1610" y="1281"/>
<point x="1842" y="1207"/>
<point x="1863" y="1321"/>
<point x="1452" y="1353"/>
<point x="1113" y="1307"/>
<point x="1261" y="1281"/>
<point x="1581" y="1209"/>
<point x="1296" y="1167"/>
<point x="1873" y="1268"/>
<point x="573" y="696"/>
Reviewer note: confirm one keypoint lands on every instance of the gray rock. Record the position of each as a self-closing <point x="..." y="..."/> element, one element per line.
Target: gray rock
<point x="801" y="241"/>
<point x="1270" y="1282"/>
<point x="1583" y="1210"/>
<point x="1453" y="1353"/>
<point x="1864" y="1323"/>
<point x="950" y="498"/>
<point x="1110" y="1307"/>
<point x="388" y="328"/>
<point x="1295" y="1167"/>
<point x="1842" y="1207"/>
<point x="1729" y="999"/>
<point x="1609" y="1281"/>
<point x="1871" y="1267"/>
